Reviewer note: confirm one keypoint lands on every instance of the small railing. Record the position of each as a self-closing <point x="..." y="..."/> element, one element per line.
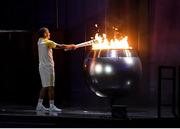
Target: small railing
<point x="161" y="78"/>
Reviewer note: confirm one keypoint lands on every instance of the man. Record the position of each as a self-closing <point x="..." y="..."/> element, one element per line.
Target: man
<point x="46" y="68"/>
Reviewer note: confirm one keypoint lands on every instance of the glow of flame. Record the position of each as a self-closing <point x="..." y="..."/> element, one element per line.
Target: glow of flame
<point x="103" y="43"/>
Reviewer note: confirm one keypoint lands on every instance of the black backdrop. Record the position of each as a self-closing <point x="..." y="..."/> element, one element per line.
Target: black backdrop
<point x="69" y="21"/>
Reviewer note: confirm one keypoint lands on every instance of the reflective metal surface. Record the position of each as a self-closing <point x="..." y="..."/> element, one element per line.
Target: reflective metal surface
<point x="112" y="72"/>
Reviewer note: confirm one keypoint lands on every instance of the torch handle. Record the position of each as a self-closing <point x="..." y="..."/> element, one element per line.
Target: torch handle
<point x="84" y="44"/>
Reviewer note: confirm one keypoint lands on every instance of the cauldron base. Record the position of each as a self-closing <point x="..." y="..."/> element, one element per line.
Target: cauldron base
<point x="119" y="111"/>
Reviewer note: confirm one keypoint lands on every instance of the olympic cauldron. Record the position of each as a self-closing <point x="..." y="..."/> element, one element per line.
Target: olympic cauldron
<point x="112" y="72"/>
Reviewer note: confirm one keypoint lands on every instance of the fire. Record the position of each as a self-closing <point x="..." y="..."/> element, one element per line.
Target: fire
<point x="103" y="43"/>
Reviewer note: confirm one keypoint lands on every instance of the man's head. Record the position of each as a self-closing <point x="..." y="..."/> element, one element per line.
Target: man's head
<point x="44" y="33"/>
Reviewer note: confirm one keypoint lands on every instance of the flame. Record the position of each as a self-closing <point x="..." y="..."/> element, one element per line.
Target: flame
<point x="103" y="43"/>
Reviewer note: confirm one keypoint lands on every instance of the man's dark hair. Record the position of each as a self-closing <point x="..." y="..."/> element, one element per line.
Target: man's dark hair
<point x="42" y="31"/>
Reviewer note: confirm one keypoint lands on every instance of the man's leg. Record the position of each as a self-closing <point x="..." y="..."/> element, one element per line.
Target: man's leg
<point x="51" y="92"/>
<point x="51" y="99"/>
<point x="42" y="93"/>
<point x="40" y="106"/>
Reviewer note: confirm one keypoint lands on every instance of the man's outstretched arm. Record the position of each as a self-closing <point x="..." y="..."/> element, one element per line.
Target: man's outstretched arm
<point x="63" y="46"/>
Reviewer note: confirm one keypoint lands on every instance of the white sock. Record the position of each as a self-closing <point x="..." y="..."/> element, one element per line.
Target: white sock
<point x="51" y="102"/>
<point x="40" y="101"/>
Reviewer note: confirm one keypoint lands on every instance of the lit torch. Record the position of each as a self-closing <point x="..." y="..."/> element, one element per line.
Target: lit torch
<point x="101" y="42"/>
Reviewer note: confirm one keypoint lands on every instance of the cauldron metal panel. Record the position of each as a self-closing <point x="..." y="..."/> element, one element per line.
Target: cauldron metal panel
<point x="112" y="72"/>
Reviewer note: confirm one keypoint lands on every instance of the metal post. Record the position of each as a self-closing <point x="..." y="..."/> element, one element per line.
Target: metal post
<point x="159" y="92"/>
<point x="174" y="93"/>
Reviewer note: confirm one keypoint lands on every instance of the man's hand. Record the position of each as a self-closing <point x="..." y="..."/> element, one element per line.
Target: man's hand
<point x="71" y="47"/>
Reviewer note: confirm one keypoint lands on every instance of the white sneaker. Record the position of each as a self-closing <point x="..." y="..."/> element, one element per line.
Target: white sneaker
<point x="41" y="108"/>
<point x="54" y="109"/>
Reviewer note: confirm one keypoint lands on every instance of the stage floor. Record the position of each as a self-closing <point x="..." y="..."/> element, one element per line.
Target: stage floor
<point x="26" y="116"/>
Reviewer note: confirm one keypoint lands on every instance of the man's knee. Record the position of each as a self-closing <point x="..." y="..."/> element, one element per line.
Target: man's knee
<point x="50" y="88"/>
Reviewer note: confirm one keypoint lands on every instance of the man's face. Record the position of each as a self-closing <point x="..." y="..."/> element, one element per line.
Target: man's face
<point x="47" y="34"/>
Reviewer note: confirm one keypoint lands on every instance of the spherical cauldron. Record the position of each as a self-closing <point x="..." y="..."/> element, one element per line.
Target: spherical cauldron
<point x="112" y="72"/>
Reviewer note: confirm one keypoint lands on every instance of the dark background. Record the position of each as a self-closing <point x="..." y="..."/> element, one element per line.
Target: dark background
<point x="153" y="28"/>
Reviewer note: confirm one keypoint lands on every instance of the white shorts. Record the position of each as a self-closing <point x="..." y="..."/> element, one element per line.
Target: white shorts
<point x="47" y="75"/>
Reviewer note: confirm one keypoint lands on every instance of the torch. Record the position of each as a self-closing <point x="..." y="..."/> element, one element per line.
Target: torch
<point x="84" y="44"/>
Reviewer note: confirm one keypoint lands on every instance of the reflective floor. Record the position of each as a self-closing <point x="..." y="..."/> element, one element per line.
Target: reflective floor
<point x="139" y="112"/>
<point x="26" y="116"/>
